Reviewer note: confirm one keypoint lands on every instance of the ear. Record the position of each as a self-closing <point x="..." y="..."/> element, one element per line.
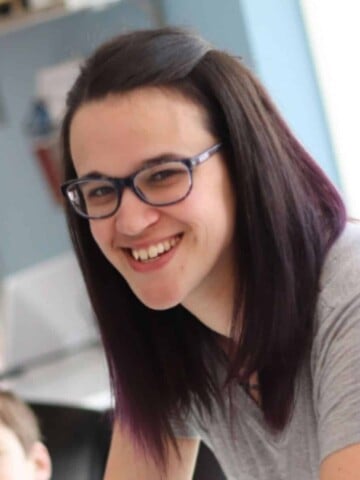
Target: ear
<point x="40" y="458"/>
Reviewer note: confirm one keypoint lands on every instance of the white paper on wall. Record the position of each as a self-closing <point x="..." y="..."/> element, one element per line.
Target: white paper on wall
<point x="53" y="84"/>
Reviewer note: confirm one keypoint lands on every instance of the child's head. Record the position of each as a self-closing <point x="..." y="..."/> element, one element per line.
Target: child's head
<point x="22" y="454"/>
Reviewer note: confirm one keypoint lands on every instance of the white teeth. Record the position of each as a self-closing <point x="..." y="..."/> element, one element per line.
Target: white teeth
<point x="160" y="248"/>
<point x="143" y="254"/>
<point x="154" y="250"/>
<point x="135" y="254"/>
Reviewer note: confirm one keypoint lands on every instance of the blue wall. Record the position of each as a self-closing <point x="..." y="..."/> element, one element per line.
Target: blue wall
<point x="32" y="227"/>
<point x="283" y="62"/>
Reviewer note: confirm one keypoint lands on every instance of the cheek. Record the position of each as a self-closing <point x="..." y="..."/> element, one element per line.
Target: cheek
<point x="13" y="468"/>
<point x="211" y="208"/>
<point x="101" y="233"/>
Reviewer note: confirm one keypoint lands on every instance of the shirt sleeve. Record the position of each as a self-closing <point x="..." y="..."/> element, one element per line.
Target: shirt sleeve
<point x="185" y="427"/>
<point x="336" y="373"/>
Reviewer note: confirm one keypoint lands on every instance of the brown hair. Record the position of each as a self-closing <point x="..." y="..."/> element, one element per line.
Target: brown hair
<point x="20" y="419"/>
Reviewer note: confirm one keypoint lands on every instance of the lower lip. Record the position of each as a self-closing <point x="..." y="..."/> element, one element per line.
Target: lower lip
<point x="154" y="264"/>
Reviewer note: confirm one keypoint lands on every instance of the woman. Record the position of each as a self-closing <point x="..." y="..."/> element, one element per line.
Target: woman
<point x="218" y="264"/>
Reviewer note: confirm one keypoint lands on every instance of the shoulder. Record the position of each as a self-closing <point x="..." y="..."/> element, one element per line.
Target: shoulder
<point x="335" y="356"/>
<point x="340" y="277"/>
<point x="338" y="303"/>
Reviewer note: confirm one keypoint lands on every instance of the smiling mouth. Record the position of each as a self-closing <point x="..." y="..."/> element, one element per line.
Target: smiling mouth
<point x="153" y="252"/>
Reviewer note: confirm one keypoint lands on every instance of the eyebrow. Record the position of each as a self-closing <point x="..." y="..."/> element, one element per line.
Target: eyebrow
<point x="164" y="157"/>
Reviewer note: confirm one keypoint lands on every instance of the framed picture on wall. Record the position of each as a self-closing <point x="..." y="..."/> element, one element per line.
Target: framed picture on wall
<point x="46" y="113"/>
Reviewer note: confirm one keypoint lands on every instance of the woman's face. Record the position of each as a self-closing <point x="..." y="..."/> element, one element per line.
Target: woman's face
<point x="115" y="136"/>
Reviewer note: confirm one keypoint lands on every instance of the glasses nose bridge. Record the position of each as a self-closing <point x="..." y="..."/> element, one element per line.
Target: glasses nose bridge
<point x="121" y="184"/>
<point x="133" y="214"/>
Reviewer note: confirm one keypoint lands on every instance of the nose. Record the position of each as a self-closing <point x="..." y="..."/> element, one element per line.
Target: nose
<point x="134" y="216"/>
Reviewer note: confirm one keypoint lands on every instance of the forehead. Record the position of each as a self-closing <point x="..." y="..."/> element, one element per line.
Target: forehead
<point x="156" y="111"/>
<point x="8" y="437"/>
<point x="134" y="126"/>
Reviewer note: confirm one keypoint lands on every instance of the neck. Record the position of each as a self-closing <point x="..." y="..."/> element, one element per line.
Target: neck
<point x="213" y="304"/>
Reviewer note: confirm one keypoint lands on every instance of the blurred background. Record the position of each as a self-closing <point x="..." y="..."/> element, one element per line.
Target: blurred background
<point x="304" y="53"/>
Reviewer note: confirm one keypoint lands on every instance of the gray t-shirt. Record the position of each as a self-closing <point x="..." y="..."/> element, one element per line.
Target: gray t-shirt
<point x="326" y="415"/>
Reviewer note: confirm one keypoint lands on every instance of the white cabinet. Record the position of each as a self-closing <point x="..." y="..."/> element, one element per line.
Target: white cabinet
<point x="52" y="350"/>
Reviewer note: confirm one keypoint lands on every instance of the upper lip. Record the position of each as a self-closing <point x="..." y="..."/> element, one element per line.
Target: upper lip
<point x="147" y="243"/>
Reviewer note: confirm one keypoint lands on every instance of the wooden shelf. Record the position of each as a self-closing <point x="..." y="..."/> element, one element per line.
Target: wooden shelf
<point x="21" y="18"/>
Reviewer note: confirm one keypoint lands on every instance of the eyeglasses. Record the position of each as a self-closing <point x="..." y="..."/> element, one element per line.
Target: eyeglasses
<point x="163" y="183"/>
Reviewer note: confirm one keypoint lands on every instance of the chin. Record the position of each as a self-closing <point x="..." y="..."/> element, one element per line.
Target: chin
<point x="158" y="303"/>
<point x="159" y="299"/>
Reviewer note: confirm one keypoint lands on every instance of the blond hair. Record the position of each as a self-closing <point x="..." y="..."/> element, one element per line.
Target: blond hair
<point x="20" y="419"/>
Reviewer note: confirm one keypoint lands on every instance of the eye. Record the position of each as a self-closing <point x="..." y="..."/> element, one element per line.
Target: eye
<point x="163" y="178"/>
<point x="162" y="175"/>
<point x="100" y="191"/>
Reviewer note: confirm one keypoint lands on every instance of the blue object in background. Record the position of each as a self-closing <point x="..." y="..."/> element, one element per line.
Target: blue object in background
<point x="39" y="123"/>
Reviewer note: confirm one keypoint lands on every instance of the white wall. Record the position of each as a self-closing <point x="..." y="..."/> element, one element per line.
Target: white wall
<point x="334" y="33"/>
